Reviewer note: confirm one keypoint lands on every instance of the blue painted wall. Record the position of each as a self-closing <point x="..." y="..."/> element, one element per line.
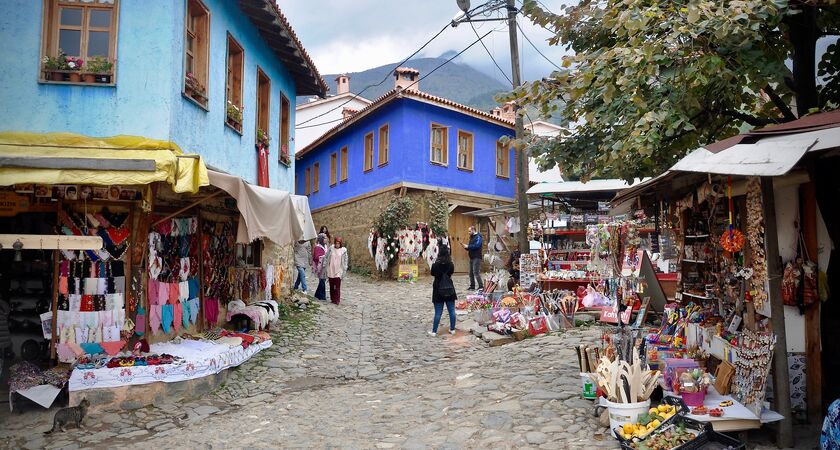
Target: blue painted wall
<point x="147" y="100"/>
<point x="410" y="133"/>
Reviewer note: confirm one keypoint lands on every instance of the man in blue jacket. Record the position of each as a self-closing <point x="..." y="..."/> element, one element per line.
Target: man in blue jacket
<point x="474" y="250"/>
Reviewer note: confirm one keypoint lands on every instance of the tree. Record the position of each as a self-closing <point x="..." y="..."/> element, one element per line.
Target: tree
<point x="653" y="79"/>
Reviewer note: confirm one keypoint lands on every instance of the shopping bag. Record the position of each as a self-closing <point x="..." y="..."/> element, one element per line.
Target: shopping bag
<point x="538" y="325"/>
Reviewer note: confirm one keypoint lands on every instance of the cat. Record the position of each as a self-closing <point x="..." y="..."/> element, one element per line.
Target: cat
<point x="72" y="414"/>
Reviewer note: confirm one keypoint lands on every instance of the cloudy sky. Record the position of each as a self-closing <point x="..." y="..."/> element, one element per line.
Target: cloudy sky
<point x="354" y="35"/>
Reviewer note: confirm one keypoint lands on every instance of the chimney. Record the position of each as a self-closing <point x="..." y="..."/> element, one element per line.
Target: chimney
<point x="347" y="113"/>
<point x="506" y="111"/>
<point x="343" y="83"/>
<point x="406" y="78"/>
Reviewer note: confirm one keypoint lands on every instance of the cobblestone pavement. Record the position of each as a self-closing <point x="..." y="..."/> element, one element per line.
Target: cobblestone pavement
<point x="364" y="375"/>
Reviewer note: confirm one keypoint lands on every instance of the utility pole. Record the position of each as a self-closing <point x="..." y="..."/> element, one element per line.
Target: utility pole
<point x="521" y="154"/>
<point x="467" y="15"/>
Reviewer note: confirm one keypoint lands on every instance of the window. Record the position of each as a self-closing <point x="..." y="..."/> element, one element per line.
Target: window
<point x="465" y="150"/>
<point x="439" y="147"/>
<point x="196" y="51"/>
<point x="233" y="83"/>
<point x="344" y="164"/>
<point x="383" y="145"/>
<point x="368" y="152"/>
<point x="249" y="255"/>
<point x="285" y="117"/>
<point x="502" y="160"/>
<point x="263" y="92"/>
<point x="333" y="164"/>
<point x="315" y="178"/>
<point x="306" y="182"/>
<point x="83" y="30"/>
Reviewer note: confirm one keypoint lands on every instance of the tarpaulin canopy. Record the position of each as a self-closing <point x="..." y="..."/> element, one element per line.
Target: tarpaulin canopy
<point x="265" y="213"/>
<point x="67" y="158"/>
<point x="569" y="187"/>
<point x="305" y="216"/>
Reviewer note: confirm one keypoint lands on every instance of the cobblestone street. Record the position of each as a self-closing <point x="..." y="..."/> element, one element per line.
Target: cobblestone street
<point x="364" y="375"/>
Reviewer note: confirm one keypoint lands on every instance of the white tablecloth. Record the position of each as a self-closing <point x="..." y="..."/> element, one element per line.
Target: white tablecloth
<point x="198" y="363"/>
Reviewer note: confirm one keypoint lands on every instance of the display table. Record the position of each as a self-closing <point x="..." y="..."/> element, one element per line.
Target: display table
<point x="213" y="361"/>
<point x="735" y="418"/>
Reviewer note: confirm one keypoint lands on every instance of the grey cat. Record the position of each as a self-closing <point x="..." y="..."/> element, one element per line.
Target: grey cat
<point x="72" y="414"/>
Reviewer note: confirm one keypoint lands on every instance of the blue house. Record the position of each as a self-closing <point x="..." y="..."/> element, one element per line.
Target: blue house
<point x="412" y="143"/>
<point x="213" y="76"/>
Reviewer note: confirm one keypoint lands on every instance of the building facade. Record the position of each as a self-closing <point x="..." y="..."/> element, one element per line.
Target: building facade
<point x="317" y="115"/>
<point x="412" y="143"/>
<point x="176" y="70"/>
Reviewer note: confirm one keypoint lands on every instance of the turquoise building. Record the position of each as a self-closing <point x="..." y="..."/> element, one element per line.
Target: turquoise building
<point x="212" y="76"/>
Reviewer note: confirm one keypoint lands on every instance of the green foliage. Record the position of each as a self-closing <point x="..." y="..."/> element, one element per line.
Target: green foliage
<point x="360" y="270"/>
<point x="438" y="213"/>
<point x="99" y="65"/>
<point x="651" y="79"/>
<point x="58" y="62"/>
<point x="394" y="216"/>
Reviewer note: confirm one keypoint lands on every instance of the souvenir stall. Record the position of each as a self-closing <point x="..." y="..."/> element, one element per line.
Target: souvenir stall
<point x="741" y="210"/>
<point x="407" y="246"/>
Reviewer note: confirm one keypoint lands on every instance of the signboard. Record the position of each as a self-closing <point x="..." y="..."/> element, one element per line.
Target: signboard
<point x="11" y="203"/>
<point x="610" y="315"/>
<point x="408" y="270"/>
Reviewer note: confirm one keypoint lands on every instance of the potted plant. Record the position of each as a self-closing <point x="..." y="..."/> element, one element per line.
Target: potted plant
<point x="74" y="65"/>
<point x="194" y="89"/>
<point x="98" y="70"/>
<point x="54" y="66"/>
<point x="284" y="154"/>
<point x="234" y="116"/>
<point x="262" y="137"/>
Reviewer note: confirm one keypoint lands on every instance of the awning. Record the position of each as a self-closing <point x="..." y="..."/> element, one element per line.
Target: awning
<point x="569" y="187"/>
<point x="301" y="203"/>
<point x="772" y="155"/>
<point x="67" y="158"/>
<point x="505" y="210"/>
<point x="264" y="212"/>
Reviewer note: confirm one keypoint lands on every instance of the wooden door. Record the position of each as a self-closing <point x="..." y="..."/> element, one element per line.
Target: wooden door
<point x="459" y="234"/>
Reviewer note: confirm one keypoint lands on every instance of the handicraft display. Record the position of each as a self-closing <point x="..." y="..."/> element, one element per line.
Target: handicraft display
<point x="173" y="288"/>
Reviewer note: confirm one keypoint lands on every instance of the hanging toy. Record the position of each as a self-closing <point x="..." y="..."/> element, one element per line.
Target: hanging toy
<point x="732" y="240"/>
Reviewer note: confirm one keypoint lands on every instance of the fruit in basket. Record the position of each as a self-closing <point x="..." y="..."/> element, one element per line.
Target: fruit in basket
<point x="670" y="438"/>
<point x="647" y="422"/>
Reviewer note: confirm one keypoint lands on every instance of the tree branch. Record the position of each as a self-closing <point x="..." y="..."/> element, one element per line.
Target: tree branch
<point x="752" y="120"/>
<point x="783" y="107"/>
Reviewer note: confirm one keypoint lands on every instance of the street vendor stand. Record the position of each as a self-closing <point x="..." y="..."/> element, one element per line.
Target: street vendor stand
<point x="738" y="210"/>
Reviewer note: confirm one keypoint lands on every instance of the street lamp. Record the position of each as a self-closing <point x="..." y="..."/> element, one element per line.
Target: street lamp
<point x="521" y="158"/>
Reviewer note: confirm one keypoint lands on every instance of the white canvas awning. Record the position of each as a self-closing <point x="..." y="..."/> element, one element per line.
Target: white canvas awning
<point x="301" y="203"/>
<point x="264" y="212"/>
<point x="570" y="187"/>
<point x="769" y="156"/>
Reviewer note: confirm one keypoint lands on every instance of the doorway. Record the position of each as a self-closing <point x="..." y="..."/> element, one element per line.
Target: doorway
<point x="459" y="234"/>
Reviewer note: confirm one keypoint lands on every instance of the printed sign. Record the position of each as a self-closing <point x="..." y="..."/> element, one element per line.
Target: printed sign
<point x="11" y="204"/>
<point x="408" y="271"/>
<point x="610" y="315"/>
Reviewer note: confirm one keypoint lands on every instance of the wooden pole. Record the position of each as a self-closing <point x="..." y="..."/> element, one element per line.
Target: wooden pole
<point x="813" y="345"/>
<point x="781" y="381"/>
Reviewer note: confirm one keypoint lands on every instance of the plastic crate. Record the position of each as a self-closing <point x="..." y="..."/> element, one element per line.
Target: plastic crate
<point x="712" y="440"/>
<point x="682" y="410"/>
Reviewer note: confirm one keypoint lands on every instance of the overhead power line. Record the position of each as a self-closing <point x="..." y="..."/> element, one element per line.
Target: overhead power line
<point x="535" y="47"/>
<point x="412" y="84"/>
<point x="491" y="55"/>
<point x="387" y="75"/>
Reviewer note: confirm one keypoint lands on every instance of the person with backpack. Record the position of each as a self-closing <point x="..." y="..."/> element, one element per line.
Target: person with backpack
<point x="443" y="290"/>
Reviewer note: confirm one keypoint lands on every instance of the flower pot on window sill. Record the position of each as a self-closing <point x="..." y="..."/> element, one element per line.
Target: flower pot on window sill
<point x="75" y="77"/>
<point x="56" y="76"/>
<point x="198" y="97"/>
<point x="189" y="92"/>
<point x="234" y="124"/>
<point x="89" y="77"/>
<point x="102" y="77"/>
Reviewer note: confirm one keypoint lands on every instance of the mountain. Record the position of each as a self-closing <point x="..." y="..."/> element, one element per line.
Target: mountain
<point x="454" y="81"/>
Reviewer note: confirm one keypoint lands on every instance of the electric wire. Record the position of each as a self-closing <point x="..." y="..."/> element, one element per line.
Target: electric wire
<point x="418" y="80"/>
<point x="387" y="75"/>
<point x="535" y="47"/>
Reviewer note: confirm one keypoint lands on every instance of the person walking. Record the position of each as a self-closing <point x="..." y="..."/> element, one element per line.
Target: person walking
<point x="336" y="267"/>
<point x="318" y="266"/>
<point x="326" y="231"/>
<point x="474" y="251"/>
<point x="443" y="290"/>
<point x="303" y="253"/>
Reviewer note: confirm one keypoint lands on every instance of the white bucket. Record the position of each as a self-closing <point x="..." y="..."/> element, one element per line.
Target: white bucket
<point x="621" y="413"/>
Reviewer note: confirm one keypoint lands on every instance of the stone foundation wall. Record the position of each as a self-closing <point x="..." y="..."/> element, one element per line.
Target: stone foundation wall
<point x="138" y="396"/>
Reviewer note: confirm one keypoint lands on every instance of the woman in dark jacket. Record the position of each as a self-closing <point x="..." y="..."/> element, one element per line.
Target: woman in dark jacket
<point x="443" y="290"/>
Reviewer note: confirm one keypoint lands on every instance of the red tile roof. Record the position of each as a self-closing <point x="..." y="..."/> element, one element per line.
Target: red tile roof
<point x="403" y="93"/>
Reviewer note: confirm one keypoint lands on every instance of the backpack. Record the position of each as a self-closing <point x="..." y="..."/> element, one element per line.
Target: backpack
<point x="446" y="289"/>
